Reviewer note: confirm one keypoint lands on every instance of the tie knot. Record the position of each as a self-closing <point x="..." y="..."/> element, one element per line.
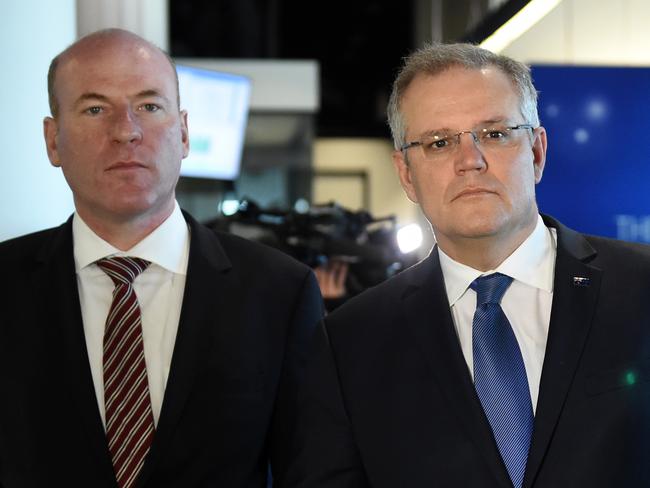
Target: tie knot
<point x="490" y="288"/>
<point x="122" y="270"/>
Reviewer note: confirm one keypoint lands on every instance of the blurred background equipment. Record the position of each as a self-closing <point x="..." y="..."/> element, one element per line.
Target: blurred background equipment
<point x="349" y="251"/>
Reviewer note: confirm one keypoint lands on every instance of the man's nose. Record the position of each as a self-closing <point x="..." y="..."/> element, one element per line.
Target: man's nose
<point x="126" y="127"/>
<point x="469" y="156"/>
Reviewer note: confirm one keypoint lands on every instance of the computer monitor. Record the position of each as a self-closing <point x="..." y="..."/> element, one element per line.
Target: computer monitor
<point x="217" y="104"/>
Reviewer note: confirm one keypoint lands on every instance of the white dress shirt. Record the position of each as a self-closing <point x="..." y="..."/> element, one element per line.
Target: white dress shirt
<point x="159" y="290"/>
<point x="526" y="303"/>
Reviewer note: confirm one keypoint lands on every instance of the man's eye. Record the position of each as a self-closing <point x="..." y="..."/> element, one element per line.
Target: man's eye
<point x="150" y="107"/>
<point x="495" y="134"/>
<point x="438" y="143"/>
<point x="94" y="110"/>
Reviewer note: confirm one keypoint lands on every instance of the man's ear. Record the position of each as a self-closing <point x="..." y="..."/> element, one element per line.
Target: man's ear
<point x="50" y="132"/>
<point x="404" y="172"/>
<point x="539" y="153"/>
<point x="185" y="134"/>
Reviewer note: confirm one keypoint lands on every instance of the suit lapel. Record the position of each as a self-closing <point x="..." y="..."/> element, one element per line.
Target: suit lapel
<point x="210" y="291"/>
<point x="574" y="304"/>
<point x="55" y="279"/>
<point x="429" y="319"/>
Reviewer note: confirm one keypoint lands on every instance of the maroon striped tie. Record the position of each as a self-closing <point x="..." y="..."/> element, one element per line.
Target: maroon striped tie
<point x="129" y="420"/>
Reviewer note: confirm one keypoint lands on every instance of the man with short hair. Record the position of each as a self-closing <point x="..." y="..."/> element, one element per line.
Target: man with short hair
<point x="138" y="347"/>
<point x="515" y="354"/>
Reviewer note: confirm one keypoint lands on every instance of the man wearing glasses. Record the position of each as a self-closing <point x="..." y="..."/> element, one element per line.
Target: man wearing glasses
<point x="517" y="353"/>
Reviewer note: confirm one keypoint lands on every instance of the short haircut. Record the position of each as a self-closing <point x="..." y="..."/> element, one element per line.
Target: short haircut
<point x="433" y="59"/>
<point x="54" y="64"/>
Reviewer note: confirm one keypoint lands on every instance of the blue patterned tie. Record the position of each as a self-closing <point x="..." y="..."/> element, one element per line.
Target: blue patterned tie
<point x="500" y="376"/>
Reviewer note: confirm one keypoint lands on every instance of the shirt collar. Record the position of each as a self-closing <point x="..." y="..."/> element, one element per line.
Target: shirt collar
<point x="532" y="263"/>
<point x="167" y="246"/>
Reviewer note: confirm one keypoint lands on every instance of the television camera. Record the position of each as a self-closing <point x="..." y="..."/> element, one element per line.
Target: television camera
<point x="319" y="234"/>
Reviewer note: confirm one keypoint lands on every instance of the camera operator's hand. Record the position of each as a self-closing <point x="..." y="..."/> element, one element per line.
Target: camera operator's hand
<point x="331" y="279"/>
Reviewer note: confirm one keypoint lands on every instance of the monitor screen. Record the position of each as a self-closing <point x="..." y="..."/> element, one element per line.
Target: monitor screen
<point x="217" y="105"/>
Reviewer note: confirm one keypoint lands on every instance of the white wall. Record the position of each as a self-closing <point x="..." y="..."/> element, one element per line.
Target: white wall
<point x="589" y="32"/>
<point x="147" y="18"/>
<point x="33" y="194"/>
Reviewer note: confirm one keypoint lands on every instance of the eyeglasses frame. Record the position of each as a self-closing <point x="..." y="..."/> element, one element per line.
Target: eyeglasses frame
<point x="457" y="135"/>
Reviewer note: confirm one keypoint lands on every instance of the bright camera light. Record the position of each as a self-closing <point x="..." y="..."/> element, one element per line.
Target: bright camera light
<point x="229" y="207"/>
<point x="301" y="206"/>
<point x="409" y="238"/>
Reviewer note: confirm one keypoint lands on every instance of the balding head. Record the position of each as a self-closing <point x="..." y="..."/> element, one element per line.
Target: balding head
<point x="117" y="133"/>
<point x="93" y="44"/>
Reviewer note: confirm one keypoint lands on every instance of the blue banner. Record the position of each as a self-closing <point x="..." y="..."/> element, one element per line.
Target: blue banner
<point x="597" y="176"/>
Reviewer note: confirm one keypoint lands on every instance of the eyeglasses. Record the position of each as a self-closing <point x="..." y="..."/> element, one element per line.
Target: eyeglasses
<point x="490" y="139"/>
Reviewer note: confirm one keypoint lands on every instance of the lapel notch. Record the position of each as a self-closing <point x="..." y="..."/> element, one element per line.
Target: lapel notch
<point x="429" y="319"/>
<point x="209" y="295"/>
<point x="575" y="296"/>
<point x="55" y="279"/>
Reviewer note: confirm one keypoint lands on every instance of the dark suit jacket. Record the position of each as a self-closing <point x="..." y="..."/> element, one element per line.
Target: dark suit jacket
<point x="247" y="313"/>
<point x="393" y="404"/>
